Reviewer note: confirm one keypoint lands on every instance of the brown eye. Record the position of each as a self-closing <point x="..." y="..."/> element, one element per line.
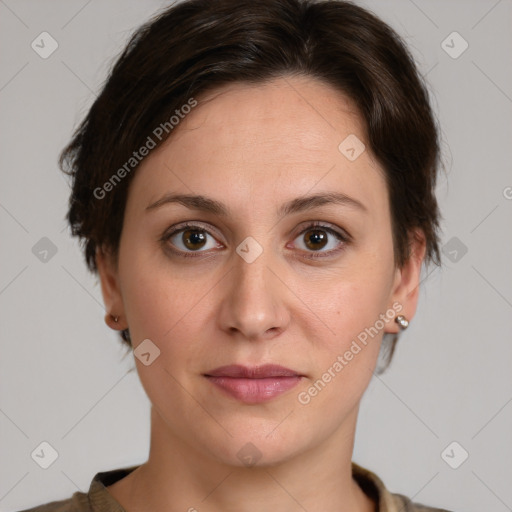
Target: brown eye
<point x="315" y="239"/>
<point x="190" y="239"/>
<point x="193" y="239"/>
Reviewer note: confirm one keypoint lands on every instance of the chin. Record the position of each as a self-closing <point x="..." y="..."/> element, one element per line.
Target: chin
<point x="261" y="445"/>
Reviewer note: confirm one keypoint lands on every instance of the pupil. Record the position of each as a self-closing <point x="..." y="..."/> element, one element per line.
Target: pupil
<point x="192" y="237"/>
<point x="316" y="237"/>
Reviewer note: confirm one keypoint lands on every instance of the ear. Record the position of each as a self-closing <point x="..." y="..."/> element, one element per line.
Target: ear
<point x="110" y="289"/>
<point x="406" y="285"/>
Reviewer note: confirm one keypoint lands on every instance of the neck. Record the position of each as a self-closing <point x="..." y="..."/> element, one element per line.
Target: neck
<point x="178" y="477"/>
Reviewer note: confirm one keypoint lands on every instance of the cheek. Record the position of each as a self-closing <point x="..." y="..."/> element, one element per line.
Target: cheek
<point x="156" y="304"/>
<point x="351" y="305"/>
<point x="168" y="307"/>
<point x="353" y="300"/>
<point x="344" y="361"/>
<point x="351" y="313"/>
<point x="167" y="312"/>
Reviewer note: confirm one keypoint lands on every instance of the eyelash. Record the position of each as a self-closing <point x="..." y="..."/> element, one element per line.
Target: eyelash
<point x="343" y="237"/>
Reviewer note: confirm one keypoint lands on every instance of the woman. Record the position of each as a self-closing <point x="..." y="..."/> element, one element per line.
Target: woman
<point x="255" y="188"/>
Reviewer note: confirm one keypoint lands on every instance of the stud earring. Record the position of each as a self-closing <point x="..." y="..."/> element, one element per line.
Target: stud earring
<point x="112" y="320"/>
<point x="402" y="321"/>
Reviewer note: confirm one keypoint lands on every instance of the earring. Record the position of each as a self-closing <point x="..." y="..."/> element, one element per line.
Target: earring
<point x="112" y="321"/>
<point x="402" y="321"/>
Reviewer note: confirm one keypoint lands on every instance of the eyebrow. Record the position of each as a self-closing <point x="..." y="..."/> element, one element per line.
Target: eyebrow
<point x="300" y="204"/>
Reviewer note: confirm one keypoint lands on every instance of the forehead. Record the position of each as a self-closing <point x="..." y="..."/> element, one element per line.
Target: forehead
<point x="271" y="142"/>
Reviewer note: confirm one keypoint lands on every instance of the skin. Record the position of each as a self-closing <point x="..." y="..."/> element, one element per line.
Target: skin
<point x="254" y="148"/>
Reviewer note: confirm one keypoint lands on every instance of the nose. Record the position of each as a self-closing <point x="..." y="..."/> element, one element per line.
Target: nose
<point x="253" y="305"/>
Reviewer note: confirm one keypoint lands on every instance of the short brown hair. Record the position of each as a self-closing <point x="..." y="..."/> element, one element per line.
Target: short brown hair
<point x="197" y="45"/>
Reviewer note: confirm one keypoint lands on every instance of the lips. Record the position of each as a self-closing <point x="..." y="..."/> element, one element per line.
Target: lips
<point x="252" y="372"/>
<point x="253" y="385"/>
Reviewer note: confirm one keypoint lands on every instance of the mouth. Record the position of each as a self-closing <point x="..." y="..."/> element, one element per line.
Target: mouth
<point x="253" y="384"/>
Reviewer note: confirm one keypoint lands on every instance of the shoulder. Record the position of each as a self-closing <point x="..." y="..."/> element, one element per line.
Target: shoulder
<point x="386" y="501"/>
<point x="97" y="499"/>
<point x="77" y="503"/>
<point x="405" y="504"/>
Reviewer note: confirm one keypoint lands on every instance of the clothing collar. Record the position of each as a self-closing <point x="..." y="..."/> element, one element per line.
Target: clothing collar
<point x="102" y="501"/>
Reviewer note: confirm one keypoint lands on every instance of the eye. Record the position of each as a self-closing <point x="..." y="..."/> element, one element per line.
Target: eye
<point x="190" y="238"/>
<point x="317" y="237"/>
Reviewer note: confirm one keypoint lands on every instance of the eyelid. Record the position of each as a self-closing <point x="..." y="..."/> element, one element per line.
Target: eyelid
<point x="342" y="233"/>
<point x="190" y="224"/>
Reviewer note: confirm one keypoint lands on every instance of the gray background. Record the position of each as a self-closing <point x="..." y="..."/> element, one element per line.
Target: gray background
<point x="63" y="379"/>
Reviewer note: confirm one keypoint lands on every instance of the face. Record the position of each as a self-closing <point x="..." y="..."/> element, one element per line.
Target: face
<point x="259" y="274"/>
